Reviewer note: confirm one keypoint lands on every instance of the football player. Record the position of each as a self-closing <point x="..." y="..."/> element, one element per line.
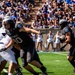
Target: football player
<point x="28" y="54"/>
<point x="69" y="39"/>
<point x="6" y="54"/>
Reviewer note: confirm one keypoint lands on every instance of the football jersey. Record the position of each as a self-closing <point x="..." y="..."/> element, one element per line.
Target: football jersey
<point x="66" y="30"/>
<point x="21" y="38"/>
<point x="2" y="32"/>
<point x="4" y="38"/>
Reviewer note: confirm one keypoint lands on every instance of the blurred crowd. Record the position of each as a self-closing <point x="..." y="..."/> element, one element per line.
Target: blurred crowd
<point x="47" y="16"/>
<point x="19" y="9"/>
<point x="52" y="11"/>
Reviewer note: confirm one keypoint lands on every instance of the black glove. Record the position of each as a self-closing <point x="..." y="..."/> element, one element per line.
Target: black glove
<point x="3" y="49"/>
<point x="61" y="49"/>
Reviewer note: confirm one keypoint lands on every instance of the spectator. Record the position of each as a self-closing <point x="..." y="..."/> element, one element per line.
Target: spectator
<point x="39" y="42"/>
<point x="50" y="40"/>
<point x="57" y="41"/>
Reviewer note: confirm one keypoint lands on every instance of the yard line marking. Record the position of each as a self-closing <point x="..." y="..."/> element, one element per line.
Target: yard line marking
<point x="60" y="53"/>
<point x="43" y="52"/>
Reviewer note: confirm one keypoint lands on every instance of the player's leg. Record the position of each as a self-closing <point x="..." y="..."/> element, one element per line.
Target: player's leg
<point x="72" y="61"/>
<point x="33" y="58"/>
<point x="41" y="67"/>
<point x="23" y="55"/>
<point x="2" y="64"/>
<point x="12" y="67"/>
<point x="17" y="55"/>
<point x="19" y="69"/>
<point x="8" y="55"/>
<point x="30" y="69"/>
<point x="71" y="55"/>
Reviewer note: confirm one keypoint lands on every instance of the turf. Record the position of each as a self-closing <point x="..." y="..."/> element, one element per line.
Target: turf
<point x="56" y="63"/>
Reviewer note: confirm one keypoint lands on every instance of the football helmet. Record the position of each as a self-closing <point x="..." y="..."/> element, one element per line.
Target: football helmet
<point x="63" y="23"/>
<point x="8" y="20"/>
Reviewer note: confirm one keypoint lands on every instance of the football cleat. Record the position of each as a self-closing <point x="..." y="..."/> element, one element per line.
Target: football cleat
<point x="44" y="71"/>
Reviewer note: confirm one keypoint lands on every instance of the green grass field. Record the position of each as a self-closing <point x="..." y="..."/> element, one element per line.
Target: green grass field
<point x="56" y="63"/>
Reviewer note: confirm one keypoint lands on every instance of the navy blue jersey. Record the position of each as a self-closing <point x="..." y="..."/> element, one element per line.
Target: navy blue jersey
<point x="21" y="38"/>
<point x="66" y="30"/>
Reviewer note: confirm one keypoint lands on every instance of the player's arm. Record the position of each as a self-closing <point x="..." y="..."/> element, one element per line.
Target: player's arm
<point x="17" y="46"/>
<point x="10" y="43"/>
<point x="68" y="39"/>
<point x="62" y="48"/>
<point x="13" y="43"/>
<point x="29" y="30"/>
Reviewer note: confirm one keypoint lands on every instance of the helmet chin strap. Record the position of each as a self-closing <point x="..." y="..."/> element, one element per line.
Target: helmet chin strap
<point x="10" y="30"/>
<point x="6" y="28"/>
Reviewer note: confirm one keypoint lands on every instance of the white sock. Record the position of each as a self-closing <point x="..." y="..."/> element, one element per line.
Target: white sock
<point x="10" y="74"/>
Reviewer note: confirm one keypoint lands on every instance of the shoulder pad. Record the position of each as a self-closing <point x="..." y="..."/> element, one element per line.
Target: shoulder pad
<point x="19" y="26"/>
<point x="66" y="29"/>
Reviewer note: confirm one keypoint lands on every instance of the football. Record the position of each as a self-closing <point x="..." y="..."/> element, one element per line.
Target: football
<point x="62" y="38"/>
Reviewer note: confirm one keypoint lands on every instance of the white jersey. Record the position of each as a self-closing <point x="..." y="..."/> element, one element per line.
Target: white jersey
<point x="57" y="40"/>
<point x="39" y="38"/>
<point x="50" y="38"/>
<point x="8" y="54"/>
<point x="2" y="32"/>
<point x="1" y="36"/>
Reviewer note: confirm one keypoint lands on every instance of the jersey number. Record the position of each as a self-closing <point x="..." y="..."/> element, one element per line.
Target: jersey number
<point x="18" y="40"/>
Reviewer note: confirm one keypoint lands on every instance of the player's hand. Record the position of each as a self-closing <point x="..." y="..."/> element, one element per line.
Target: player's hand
<point x="61" y="49"/>
<point x="3" y="49"/>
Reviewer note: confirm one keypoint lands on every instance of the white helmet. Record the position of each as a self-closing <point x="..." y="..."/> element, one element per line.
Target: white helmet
<point x="8" y="20"/>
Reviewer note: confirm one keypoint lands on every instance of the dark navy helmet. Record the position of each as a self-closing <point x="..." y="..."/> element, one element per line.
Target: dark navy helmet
<point x="8" y="20"/>
<point x="63" y="23"/>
